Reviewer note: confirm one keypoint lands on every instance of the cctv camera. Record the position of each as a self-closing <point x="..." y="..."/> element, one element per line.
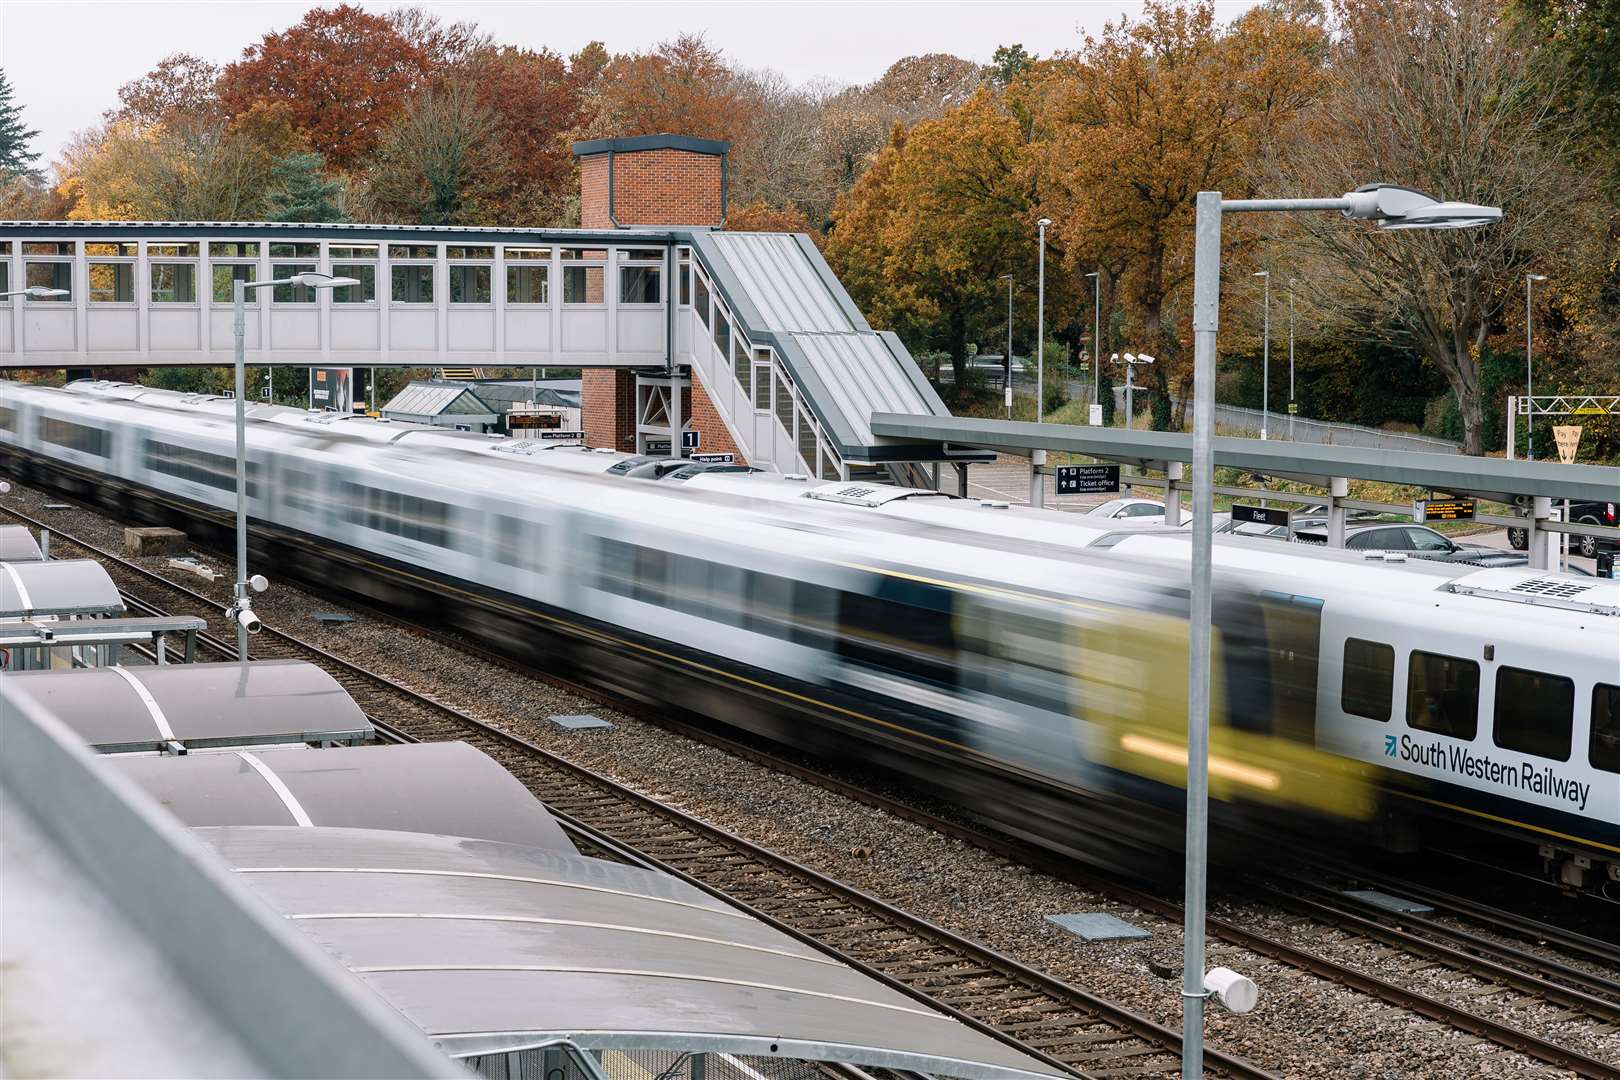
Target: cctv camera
<point x="249" y="621"/>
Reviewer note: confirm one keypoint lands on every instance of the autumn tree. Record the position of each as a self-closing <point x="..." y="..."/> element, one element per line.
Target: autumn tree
<point x="763" y="217"/>
<point x="924" y="236"/>
<point x="535" y="103"/>
<point x="180" y="85"/>
<point x="344" y="72"/>
<point x="683" y="86"/>
<point x="1139" y="120"/>
<point x="439" y="162"/>
<point x="1443" y="96"/>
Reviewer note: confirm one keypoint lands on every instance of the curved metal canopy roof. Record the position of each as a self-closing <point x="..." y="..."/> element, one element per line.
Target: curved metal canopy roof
<point x="451" y="789"/>
<point x="493" y="948"/>
<point x="136" y="709"/>
<point x="17" y="544"/>
<point x="56" y="587"/>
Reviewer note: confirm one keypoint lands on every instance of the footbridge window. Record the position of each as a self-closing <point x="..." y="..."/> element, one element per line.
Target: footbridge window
<point x="641" y="276"/>
<point x="48" y="265"/>
<point x="173" y="273"/>
<point x="111" y="271"/>
<point x="584" y="275"/>
<point x="358" y="261"/>
<point x="293" y="294"/>
<point x="232" y="262"/>
<point x="412" y="272"/>
<point x="528" y="275"/>
<point x="470" y="270"/>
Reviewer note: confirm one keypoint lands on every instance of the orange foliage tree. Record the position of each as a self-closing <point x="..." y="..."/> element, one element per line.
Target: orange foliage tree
<point x="1132" y="126"/>
<point x="343" y="72"/>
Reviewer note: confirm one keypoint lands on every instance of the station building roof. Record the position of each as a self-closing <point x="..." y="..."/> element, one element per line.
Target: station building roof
<point x="493" y="948"/>
<point x="449" y="789"/>
<point x="17" y="544"/>
<point x="428" y="398"/>
<point x="145" y="709"/>
<point x="57" y="587"/>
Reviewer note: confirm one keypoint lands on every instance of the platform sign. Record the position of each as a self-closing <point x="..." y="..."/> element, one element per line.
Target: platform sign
<point x="555" y="435"/>
<point x="657" y="446"/>
<point x="691" y="440"/>
<point x="331" y="389"/>
<point x="1263" y="515"/>
<point x="1087" y="479"/>
<point x="714" y="459"/>
<point x="1442" y="510"/>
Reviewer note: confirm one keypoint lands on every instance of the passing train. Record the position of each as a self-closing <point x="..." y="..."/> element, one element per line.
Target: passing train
<point x="1029" y="666"/>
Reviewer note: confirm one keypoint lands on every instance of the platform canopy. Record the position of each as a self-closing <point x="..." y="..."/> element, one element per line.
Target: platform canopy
<point x="497" y="948"/>
<point x="57" y="587"/>
<point x="197" y="706"/>
<point x="17" y="544"/>
<point x="450" y="789"/>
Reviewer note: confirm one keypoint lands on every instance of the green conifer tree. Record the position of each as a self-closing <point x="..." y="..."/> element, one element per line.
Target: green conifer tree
<point x="300" y="190"/>
<point x="16" y="159"/>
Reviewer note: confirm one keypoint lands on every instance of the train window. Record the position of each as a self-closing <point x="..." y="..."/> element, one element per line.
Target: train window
<point x="517" y="542"/>
<point x="1442" y="694"/>
<point x="768" y="604"/>
<point x="913" y="640"/>
<point x="649" y="575"/>
<point x="8" y="419"/>
<point x="1369" y="679"/>
<point x="197" y="466"/>
<point x="1534" y="713"/>
<point x="1016" y="656"/>
<point x="86" y="440"/>
<point x="1604" y="748"/>
<point x="394" y="512"/>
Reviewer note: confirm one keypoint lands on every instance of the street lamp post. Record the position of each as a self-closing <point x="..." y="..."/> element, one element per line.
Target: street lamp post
<point x="1040" y="327"/>
<point x="1096" y="337"/>
<point x="241" y="609"/>
<point x="1007" y="360"/>
<point x="1265" y="363"/>
<point x="1391" y="208"/>
<point x="1291" y="407"/>
<point x="1529" y="371"/>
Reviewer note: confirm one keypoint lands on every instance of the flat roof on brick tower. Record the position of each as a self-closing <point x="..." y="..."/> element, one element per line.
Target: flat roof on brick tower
<point x="632" y="143"/>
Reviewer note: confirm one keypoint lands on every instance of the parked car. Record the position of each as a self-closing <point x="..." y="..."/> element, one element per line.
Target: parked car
<point x="1417" y="541"/>
<point x="1147" y="511"/>
<point x="1581" y="513"/>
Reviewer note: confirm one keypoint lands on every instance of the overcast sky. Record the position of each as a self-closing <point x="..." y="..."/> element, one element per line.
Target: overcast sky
<point x="67" y="58"/>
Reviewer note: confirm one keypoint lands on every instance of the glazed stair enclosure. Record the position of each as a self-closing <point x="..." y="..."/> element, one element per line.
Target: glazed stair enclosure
<point x="767" y="415"/>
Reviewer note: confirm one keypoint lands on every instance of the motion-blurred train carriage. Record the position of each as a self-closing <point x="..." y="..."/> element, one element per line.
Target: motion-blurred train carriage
<point x="1030" y="666"/>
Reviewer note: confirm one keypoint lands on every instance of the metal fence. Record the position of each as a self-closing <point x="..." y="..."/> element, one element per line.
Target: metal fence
<point x="1325" y="433"/>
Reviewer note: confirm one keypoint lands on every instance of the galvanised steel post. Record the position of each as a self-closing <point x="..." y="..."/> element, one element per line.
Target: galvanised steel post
<point x="1291" y="408"/>
<point x="1007" y="364"/>
<point x="1206" y="317"/>
<point x="1265" y="364"/>
<point x="1096" y="336"/>
<point x="1529" y="371"/>
<point x="239" y="590"/>
<point x="1040" y="327"/>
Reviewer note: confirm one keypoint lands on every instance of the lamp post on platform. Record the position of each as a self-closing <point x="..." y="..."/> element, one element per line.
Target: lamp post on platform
<point x="241" y="609"/>
<point x="1007" y="360"/>
<point x="1529" y="371"/>
<point x="1096" y="337"/>
<point x="1390" y="207"/>
<point x="35" y="292"/>
<point x="1040" y="327"/>
<point x="1265" y="362"/>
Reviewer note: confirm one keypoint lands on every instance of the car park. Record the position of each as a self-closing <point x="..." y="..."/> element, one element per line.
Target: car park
<point x="1581" y="513"/>
<point x="1416" y="541"/>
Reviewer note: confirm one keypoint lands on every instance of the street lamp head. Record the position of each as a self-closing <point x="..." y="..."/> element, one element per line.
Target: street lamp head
<point x="313" y="280"/>
<point x="1094" y="273"/>
<point x="1395" y="207"/>
<point x="1044" y="222"/>
<point x="41" y="292"/>
<point x="1535" y="277"/>
<point x="1262" y="273"/>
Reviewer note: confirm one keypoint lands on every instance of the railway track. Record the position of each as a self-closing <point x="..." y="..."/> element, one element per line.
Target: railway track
<point x="1059" y="1022"/>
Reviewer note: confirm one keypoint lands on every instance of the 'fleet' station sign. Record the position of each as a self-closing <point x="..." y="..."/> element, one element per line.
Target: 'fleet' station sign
<point x="1263" y="515"/>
